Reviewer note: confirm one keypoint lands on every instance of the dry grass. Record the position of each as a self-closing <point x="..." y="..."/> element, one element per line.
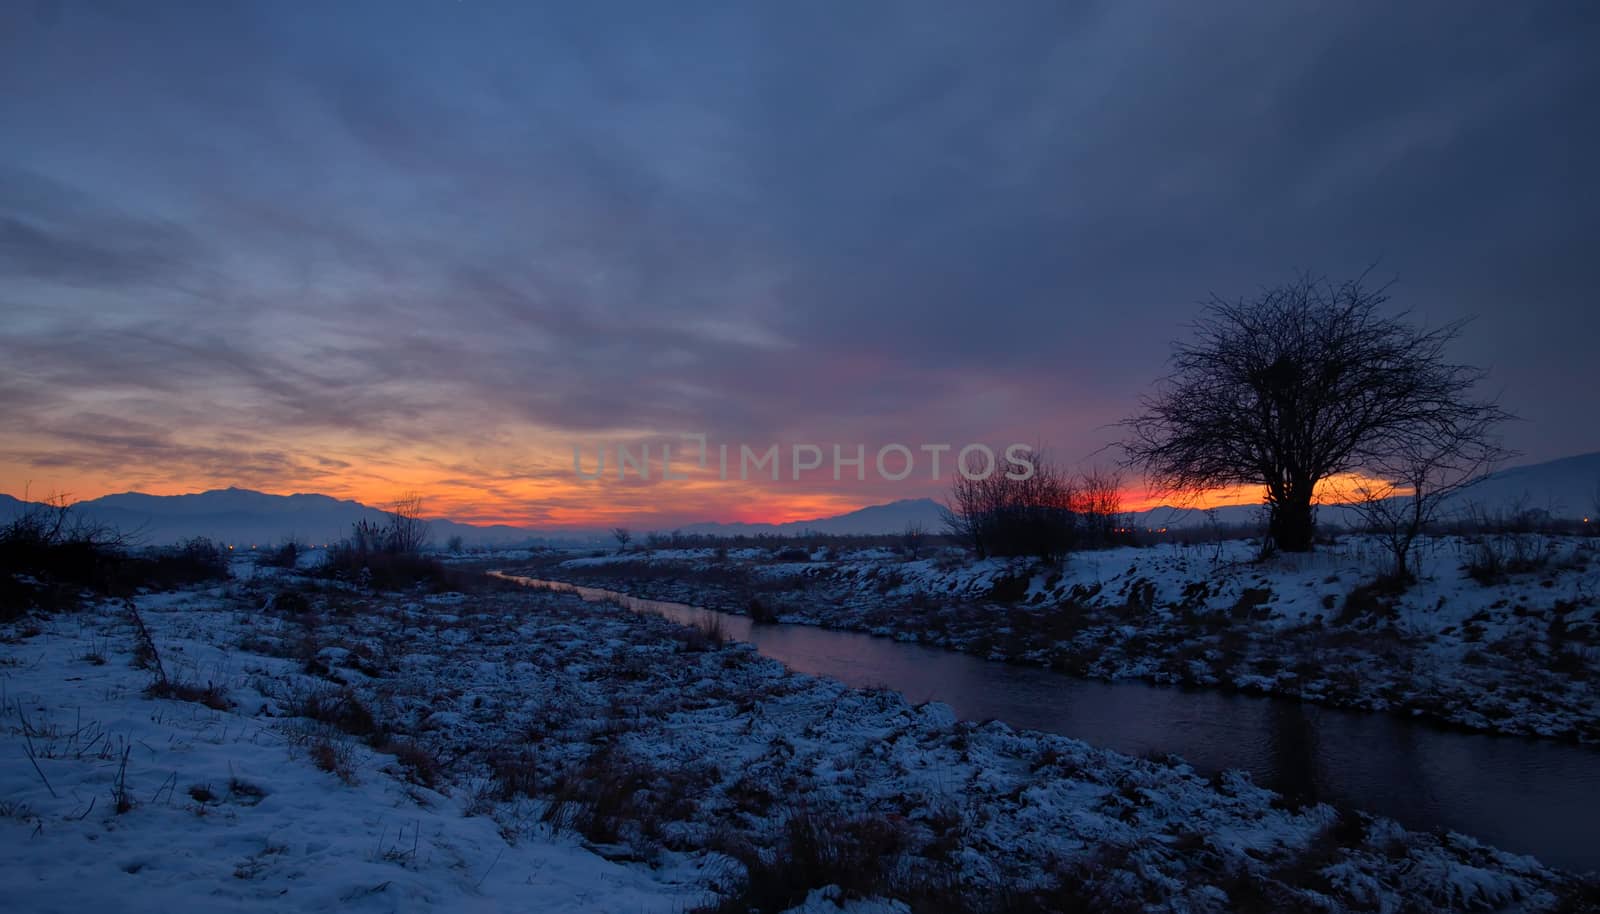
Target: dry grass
<point x="211" y="695"/>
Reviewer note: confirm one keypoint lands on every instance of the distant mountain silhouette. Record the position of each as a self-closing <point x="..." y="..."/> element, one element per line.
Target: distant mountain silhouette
<point x="1566" y="488"/>
<point x="893" y="517"/>
<point x="247" y="517"/>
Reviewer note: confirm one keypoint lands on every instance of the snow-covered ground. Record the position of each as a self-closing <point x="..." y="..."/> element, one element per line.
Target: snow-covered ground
<point x="522" y="750"/>
<point x="227" y="809"/>
<point x="1516" y="652"/>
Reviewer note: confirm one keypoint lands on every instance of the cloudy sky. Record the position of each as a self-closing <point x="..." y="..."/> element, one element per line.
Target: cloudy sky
<point x="361" y="248"/>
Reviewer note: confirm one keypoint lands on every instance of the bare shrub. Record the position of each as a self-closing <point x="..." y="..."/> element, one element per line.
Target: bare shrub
<point x="760" y="611"/>
<point x="1494" y="557"/>
<point x="420" y="764"/>
<point x="194" y="561"/>
<point x="1434" y="461"/>
<point x="338" y="708"/>
<point x="706" y="635"/>
<point x="334" y="756"/>
<point x="815" y="850"/>
<point x="407" y="532"/>
<point x="514" y="772"/>
<point x="49" y="555"/>
<point x="998" y="514"/>
<point x="388" y="555"/>
<point x="603" y="796"/>
<point x="1097" y="504"/>
<point x="211" y="694"/>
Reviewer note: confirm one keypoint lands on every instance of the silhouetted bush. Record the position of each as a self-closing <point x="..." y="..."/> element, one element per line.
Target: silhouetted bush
<point x="388" y="556"/>
<point x="386" y="570"/>
<point x="998" y="515"/>
<point x="1494" y="557"/>
<point x="760" y="611"/>
<point x="48" y="557"/>
<point x="803" y="544"/>
<point x="195" y="561"/>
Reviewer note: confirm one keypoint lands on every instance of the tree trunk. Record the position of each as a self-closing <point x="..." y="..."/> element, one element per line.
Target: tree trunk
<point x="1291" y="524"/>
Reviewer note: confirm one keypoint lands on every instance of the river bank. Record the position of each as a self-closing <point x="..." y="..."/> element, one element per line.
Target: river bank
<point x="670" y="769"/>
<point x="1515" y="653"/>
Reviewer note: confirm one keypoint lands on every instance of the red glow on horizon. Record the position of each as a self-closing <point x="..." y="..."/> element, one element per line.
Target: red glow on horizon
<point x="558" y="502"/>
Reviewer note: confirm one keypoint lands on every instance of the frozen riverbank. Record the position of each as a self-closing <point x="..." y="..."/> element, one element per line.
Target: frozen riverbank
<point x="1517" y="652"/>
<point x="529" y="749"/>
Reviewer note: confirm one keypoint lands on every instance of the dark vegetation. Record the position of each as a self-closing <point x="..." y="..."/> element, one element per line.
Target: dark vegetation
<point x="147" y="657"/>
<point x="389" y="555"/>
<point x="1044" y="514"/>
<point x="50" y="559"/>
<point x="799" y="546"/>
<point x="1304" y="382"/>
<point x="1092" y="528"/>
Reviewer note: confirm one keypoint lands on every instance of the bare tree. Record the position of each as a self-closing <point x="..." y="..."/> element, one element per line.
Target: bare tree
<point x="623" y="536"/>
<point x="407" y="532"/>
<point x="1097" y="502"/>
<point x="1301" y="383"/>
<point x="1422" y="472"/>
<point x="961" y="511"/>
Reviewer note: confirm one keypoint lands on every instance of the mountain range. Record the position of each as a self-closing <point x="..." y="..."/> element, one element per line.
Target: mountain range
<point x="247" y="517"/>
<point x="1569" y="488"/>
<point x="1566" y="488"/>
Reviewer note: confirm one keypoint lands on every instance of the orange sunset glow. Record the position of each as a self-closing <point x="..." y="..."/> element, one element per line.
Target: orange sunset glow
<point x="538" y="489"/>
<point x="646" y="457"/>
<point x="348" y="277"/>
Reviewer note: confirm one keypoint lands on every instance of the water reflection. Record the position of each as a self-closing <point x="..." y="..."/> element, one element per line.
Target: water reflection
<point x="1292" y="752"/>
<point x="1527" y="796"/>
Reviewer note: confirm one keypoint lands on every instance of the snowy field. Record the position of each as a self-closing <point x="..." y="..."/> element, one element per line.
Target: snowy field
<point x="1510" y="648"/>
<point x="282" y="744"/>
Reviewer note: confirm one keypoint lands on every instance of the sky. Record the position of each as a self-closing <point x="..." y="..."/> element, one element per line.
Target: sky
<point x="433" y="245"/>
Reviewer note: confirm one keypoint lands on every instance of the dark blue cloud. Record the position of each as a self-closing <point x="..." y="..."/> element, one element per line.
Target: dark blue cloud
<point x="834" y="220"/>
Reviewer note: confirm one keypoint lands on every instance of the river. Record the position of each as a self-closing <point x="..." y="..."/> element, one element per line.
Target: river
<point x="1522" y="795"/>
